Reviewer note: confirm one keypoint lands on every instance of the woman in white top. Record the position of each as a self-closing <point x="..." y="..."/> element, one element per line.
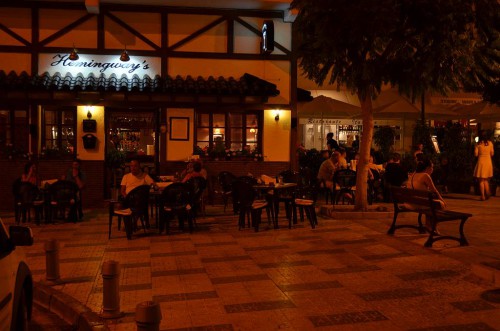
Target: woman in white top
<point x="484" y="167"/>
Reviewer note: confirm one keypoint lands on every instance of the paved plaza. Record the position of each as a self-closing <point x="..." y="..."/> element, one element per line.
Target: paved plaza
<point x="347" y="274"/>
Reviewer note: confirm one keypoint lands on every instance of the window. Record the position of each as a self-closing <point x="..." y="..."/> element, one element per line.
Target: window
<point x="235" y="130"/>
<point x="59" y="128"/>
<point x="14" y="132"/>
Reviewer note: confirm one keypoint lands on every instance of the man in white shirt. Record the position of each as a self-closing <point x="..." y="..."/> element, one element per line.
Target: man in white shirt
<point x="134" y="178"/>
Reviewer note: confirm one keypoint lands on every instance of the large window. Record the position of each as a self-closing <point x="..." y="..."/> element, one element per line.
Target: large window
<point x="237" y="131"/>
<point x="14" y="133"/>
<point x="59" y="131"/>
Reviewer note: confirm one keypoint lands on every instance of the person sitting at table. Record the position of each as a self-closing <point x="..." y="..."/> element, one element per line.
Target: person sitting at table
<point x="30" y="173"/>
<point x="135" y="178"/>
<point x="189" y="169"/>
<point x="76" y="175"/>
<point x="342" y="158"/>
<point x="327" y="169"/>
<point x="196" y="172"/>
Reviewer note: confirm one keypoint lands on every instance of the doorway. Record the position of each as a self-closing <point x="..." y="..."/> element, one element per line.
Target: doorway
<point x="130" y="134"/>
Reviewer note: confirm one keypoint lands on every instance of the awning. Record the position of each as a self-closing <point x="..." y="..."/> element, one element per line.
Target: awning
<point x="21" y="86"/>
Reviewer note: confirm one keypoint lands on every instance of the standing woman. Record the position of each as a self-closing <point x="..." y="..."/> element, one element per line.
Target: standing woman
<point x="484" y="166"/>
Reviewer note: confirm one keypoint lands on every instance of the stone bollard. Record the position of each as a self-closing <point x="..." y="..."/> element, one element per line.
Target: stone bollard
<point x="148" y="316"/>
<point x="111" y="289"/>
<point x="52" y="261"/>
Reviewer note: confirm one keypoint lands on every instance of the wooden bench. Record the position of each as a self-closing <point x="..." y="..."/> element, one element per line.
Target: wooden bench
<point x="425" y="203"/>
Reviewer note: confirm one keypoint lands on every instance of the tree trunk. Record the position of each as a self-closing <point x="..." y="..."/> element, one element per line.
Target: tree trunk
<point x="364" y="153"/>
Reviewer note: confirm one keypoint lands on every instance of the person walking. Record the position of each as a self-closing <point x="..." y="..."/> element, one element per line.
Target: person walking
<point x="484" y="166"/>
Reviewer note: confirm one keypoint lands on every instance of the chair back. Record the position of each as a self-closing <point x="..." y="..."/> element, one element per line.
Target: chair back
<point x="25" y="193"/>
<point x="307" y="178"/>
<point x="248" y="180"/>
<point x="175" y="196"/>
<point x="243" y="193"/>
<point x="64" y="192"/>
<point x="226" y="179"/>
<point x="345" y="178"/>
<point x="138" y="200"/>
<point x="289" y="176"/>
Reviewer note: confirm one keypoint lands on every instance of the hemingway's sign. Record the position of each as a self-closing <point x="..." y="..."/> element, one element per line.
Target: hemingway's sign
<point x="99" y="64"/>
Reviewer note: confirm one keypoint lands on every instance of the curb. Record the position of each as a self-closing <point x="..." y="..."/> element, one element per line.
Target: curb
<point x="69" y="309"/>
<point x="346" y="211"/>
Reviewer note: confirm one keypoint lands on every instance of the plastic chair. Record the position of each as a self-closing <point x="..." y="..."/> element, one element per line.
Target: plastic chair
<point x="225" y="180"/>
<point x="63" y="195"/>
<point x="345" y="179"/>
<point x="134" y="207"/>
<point x="175" y="200"/>
<point x="197" y="186"/>
<point x="305" y="201"/>
<point x="26" y="197"/>
<point x="245" y="198"/>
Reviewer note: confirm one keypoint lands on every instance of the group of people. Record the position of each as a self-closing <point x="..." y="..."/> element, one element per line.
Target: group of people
<point x="73" y="174"/>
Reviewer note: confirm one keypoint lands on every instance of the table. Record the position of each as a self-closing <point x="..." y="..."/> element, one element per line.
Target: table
<point x="277" y="196"/>
<point x="155" y="195"/>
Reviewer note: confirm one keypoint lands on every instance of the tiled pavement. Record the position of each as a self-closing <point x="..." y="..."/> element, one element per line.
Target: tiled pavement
<point x="346" y="274"/>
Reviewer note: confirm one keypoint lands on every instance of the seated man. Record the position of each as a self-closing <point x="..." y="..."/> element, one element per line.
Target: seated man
<point x="134" y="178"/>
<point x="196" y="172"/>
<point x="327" y="169"/>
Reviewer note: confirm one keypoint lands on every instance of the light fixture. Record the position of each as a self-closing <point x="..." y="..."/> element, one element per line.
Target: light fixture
<point x="252" y="130"/>
<point x="73" y="56"/>
<point x="277" y="117"/>
<point x="124" y="56"/>
<point x="89" y="112"/>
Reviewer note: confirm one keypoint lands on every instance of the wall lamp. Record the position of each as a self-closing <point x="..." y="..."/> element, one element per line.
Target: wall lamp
<point x="89" y="111"/>
<point x="277" y="115"/>
<point x="73" y="56"/>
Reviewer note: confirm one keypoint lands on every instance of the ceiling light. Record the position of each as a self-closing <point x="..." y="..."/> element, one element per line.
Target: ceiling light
<point x="124" y="56"/>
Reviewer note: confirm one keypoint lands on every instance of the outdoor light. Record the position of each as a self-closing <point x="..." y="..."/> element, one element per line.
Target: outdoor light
<point x="276" y="115"/>
<point x="89" y="114"/>
<point x="124" y="56"/>
<point x="73" y="56"/>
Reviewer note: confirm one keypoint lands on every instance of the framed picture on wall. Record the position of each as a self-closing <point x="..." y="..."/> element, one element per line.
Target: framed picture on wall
<point x="179" y="128"/>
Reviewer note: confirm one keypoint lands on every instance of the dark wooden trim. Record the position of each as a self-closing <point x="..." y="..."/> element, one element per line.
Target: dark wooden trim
<point x="132" y="30"/>
<point x="14" y="35"/>
<point x="230" y="35"/>
<point x="101" y="42"/>
<point x="225" y="56"/>
<point x="35" y="38"/>
<point x="66" y="29"/>
<point x="164" y="45"/>
<point x="259" y="33"/>
<point x="197" y="33"/>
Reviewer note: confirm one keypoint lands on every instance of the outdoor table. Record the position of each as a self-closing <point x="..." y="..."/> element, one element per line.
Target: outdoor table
<point x="155" y="199"/>
<point x="275" y="188"/>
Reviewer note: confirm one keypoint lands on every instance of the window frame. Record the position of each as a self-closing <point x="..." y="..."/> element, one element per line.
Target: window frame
<point x="11" y="128"/>
<point x="227" y="127"/>
<point x="59" y="140"/>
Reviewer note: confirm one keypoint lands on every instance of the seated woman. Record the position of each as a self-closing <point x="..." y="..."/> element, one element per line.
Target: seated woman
<point x="30" y="173"/>
<point x="421" y="180"/>
<point x="196" y="172"/>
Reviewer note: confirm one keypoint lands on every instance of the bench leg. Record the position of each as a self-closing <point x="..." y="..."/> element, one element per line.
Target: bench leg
<point x="421" y="228"/>
<point x="463" y="241"/>
<point x="392" y="229"/>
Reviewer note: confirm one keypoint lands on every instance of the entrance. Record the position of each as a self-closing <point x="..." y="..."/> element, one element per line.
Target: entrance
<point x="130" y="134"/>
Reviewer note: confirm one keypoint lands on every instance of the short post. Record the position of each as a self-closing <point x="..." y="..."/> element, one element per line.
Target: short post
<point x="52" y="261"/>
<point x="148" y="316"/>
<point x="111" y="289"/>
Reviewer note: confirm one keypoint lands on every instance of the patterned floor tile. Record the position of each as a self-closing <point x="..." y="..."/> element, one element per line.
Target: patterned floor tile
<point x="423" y="275"/>
<point x="392" y="294"/>
<point x="351" y="269"/>
<point x="173" y="254"/>
<point x="225" y="259"/>
<point x="322" y="251"/>
<point x="459" y="327"/>
<point x="286" y="264"/>
<point x="185" y="296"/>
<point x="354" y="241"/>
<point x="266" y="248"/>
<point x="238" y="279"/>
<point x="347" y="318"/>
<point x="177" y="272"/>
<point x="474" y="305"/>
<point x="309" y="286"/>
<point x="258" y="306"/>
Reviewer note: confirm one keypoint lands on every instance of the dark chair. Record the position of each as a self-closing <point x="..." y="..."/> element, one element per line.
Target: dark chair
<point x="345" y="182"/>
<point x="26" y="197"/>
<point x="375" y="187"/>
<point x="244" y="196"/>
<point x="305" y="201"/>
<point x="225" y="180"/>
<point x="134" y="207"/>
<point x="286" y="196"/>
<point x="197" y="186"/>
<point x="176" y="200"/>
<point x="63" y="195"/>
